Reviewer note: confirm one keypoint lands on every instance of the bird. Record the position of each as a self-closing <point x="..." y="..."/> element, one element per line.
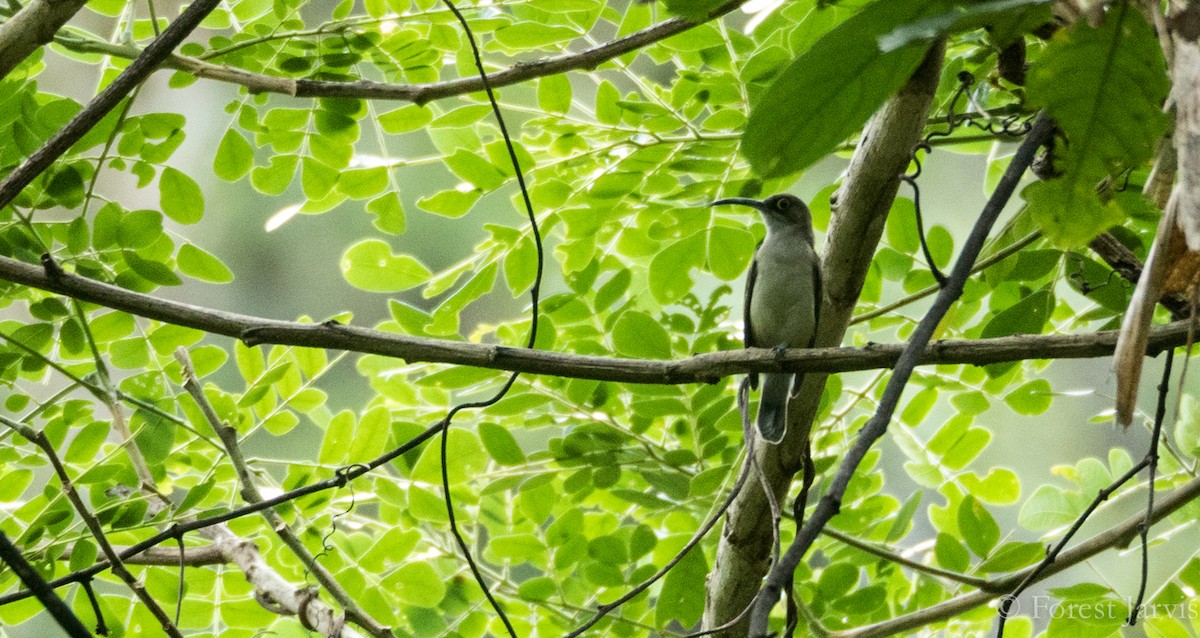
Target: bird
<point x="783" y="300"/>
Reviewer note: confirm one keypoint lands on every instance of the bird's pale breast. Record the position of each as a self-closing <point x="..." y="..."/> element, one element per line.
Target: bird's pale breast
<point x="782" y="306"/>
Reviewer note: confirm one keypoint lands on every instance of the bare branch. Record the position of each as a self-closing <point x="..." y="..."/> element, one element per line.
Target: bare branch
<point x="586" y="59"/>
<point x="168" y="556"/>
<point x="107" y="100"/>
<point x="704" y="368"/>
<point x="250" y="494"/>
<point x="93" y="524"/>
<point x="31" y="27"/>
<point x="11" y="556"/>
<point x="1118" y="536"/>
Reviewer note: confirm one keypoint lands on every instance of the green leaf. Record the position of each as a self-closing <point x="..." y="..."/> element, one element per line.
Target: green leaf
<point x="521" y="266"/>
<point x="1000" y="487"/>
<point x="613" y="289"/>
<point x="87" y="443"/>
<point x="370" y="435"/>
<point x="139" y="229"/>
<point x="827" y="93"/>
<point x="537" y="589"/>
<point x="180" y="197"/>
<point x="1111" y="109"/>
<point x="389" y="213"/>
<point x="363" y="183"/>
<point x="83" y="554"/>
<point x="451" y="203"/>
<point x="338" y="436"/>
<point x="500" y="444"/>
<point x="670" y="270"/>
<point x="1046" y="509"/>
<point x="235" y="157"/>
<point x="196" y="495"/>
<point x="919" y="406"/>
<point x="695" y="10"/>
<point x="1027" y="316"/>
<point x="475" y="169"/>
<point x="66" y="186"/>
<point x="370" y="265"/>
<point x="198" y="264"/>
<point x="950" y="553"/>
<point x="316" y="178"/>
<point x="1187" y="428"/>
<point x="978" y="527"/>
<point x="554" y="93"/>
<point x="1068" y="210"/>
<point x="637" y="334"/>
<point x="903" y="521"/>
<point x="1030" y="398"/>
<point x="1013" y="556"/>
<point x="417" y="584"/>
<point x="405" y="119"/>
<point x="274" y="178"/>
<point x="532" y="35"/>
<point x="682" y="595"/>
<point x="150" y="270"/>
<point x="465" y="458"/>
<point x="729" y="251"/>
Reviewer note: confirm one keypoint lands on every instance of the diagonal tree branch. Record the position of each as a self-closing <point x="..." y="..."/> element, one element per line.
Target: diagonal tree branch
<point x="251" y="494"/>
<point x="93" y="524"/>
<point x="1118" y="536"/>
<point x="107" y="100"/>
<point x="31" y="27"/>
<point x="704" y="368"/>
<point x="11" y="556"/>
<point x="782" y="573"/>
<point x="586" y="59"/>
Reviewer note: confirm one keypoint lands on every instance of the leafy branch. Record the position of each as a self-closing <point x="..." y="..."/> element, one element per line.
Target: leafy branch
<point x="586" y="59"/>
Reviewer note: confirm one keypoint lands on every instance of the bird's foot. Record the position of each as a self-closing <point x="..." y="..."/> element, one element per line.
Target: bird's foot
<point x="779" y="350"/>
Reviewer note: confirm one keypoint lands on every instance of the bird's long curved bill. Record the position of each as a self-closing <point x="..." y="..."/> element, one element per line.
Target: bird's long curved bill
<point x="743" y="201"/>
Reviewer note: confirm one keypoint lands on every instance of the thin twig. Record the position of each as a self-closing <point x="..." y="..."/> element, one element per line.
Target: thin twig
<point x="891" y="556"/>
<point x="586" y="59"/>
<point x="251" y="494"/>
<point x="534" y="294"/>
<point x="1033" y="575"/>
<point x="93" y="524"/>
<point x="1151" y="469"/>
<point x="59" y="610"/>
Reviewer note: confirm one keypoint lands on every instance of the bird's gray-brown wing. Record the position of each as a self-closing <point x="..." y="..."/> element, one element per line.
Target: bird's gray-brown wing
<point x="749" y="326"/>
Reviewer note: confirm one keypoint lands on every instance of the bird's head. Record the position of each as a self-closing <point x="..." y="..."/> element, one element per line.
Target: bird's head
<point x="779" y="211"/>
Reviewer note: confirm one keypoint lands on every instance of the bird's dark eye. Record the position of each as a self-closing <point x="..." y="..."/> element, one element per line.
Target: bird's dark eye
<point x="783" y="204"/>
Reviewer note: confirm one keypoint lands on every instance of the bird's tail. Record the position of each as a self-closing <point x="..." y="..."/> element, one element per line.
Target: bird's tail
<point x="772" y="406"/>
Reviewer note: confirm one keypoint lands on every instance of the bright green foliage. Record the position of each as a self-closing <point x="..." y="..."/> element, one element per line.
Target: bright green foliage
<point x="1112" y="116"/>
<point x="825" y="95"/>
<point x="569" y="491"/>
